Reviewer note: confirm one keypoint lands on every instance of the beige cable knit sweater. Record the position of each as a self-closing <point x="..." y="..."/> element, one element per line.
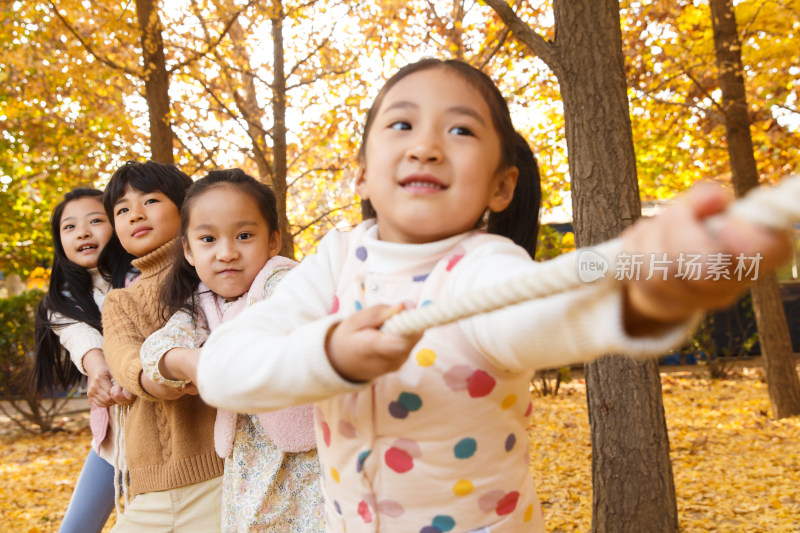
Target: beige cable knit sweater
<point x="168" y="444"/>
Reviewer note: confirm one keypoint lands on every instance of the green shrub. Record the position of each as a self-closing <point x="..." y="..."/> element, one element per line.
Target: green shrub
<point x="16" y="340"/>
<point x="20" y="403"/>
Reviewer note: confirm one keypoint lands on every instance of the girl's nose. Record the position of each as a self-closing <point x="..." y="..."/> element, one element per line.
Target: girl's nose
<point x="227" y="252"/>
<point x="425" y="148"/>
<point x="136" y="214"/>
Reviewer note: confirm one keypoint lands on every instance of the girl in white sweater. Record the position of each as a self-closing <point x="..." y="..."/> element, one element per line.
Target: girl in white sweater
<point x="428" y="433"/>
<point x="68" y="320"/>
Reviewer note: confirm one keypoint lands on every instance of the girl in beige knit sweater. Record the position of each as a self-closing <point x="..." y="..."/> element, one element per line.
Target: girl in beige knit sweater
<point x="175" y="476"/>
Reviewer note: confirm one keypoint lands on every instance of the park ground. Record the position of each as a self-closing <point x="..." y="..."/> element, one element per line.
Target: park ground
<point x="735" y="468"/>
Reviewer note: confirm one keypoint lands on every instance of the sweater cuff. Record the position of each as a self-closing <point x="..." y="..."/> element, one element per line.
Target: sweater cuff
<point x="257" y="381"/>
<point x="320" y="366"/>
<point x="612" y="326"/>
<point x="92" y="340"/>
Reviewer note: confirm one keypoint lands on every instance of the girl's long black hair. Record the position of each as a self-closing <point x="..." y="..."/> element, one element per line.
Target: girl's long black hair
<point x="178" y="291"/>
<point x="69" y="294"/>
<point x="520" y="220"/>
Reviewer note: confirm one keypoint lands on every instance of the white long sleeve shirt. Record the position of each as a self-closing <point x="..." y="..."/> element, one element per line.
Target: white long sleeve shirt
<point x="241" y="367"/>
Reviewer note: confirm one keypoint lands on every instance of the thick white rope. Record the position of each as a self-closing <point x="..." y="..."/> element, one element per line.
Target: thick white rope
<point x="120" y="461"/>
<point x="775" y="207"/>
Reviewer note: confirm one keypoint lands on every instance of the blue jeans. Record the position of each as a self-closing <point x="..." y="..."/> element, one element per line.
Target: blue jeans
<point x="93" y="497"/>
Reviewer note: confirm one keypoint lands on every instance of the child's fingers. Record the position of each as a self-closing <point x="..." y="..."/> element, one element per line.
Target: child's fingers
<point x="705" y="199"/>
<point x="99" y="391"/>
<point x="373" y="317"/>
<point x="740" y="237"/>
<point x="120" y="396"/>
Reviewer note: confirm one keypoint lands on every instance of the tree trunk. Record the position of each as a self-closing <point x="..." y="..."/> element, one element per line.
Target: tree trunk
<point x="14" y="285"/>
<point x="773" y="332"/>
<point x="156" y="81"/>
<point x="279" y="168"/>
<point x="632" y="482"/>
<point x="633" y="489"/>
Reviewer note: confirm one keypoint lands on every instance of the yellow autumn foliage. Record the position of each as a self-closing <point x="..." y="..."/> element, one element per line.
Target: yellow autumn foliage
<point x="736" y="469"/>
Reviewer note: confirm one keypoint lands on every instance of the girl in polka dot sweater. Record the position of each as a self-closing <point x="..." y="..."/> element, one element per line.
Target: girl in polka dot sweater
<point x="428" y="433"/>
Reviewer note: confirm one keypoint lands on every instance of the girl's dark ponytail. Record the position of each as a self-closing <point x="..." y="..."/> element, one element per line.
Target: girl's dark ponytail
<point x="180" y="283"/>
<point x="520" y="220"/>
<point x="114" y="262"/>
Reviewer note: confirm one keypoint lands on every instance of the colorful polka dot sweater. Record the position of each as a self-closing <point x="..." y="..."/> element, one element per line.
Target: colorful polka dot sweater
<point x="440" y="445"/>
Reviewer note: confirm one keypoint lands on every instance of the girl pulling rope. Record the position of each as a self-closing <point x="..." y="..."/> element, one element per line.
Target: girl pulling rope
<point x="427" y="432"/>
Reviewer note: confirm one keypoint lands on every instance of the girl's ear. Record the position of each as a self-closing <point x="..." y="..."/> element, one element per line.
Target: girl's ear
<point x="504" y="189"/>
<point x="361" y="182"/>
<point x="187" y="253"/>
<point x="275" y="243"/>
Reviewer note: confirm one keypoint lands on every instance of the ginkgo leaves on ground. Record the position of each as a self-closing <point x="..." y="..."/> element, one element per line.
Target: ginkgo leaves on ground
<point x="735" y="468"/>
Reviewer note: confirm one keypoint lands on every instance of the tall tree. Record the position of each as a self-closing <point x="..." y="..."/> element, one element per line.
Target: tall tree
<point x="279" y="166"/>
<point x="633" y="488"/>
<point x="63" y="124"/>
<point x="135" y="48"/>
<point x="156" y="81"/>
<point x="773" y="331"/>
<point x="678" y="120"/>
<point x="285" y="90"/>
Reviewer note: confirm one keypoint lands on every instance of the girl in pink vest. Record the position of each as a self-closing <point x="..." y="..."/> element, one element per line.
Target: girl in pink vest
<point x="230" y="236"/>
<point x="428" y="433"/>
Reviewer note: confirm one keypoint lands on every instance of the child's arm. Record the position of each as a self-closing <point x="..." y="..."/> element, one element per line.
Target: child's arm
<point x="85" y="347"/>
<point x="122" y="341"/>
<point x="169" y="356"/>
<point x="77" y="338"/>
<point x="179" y="336"/>
<point x="640" y="317"/>
<point x="643" y="317"/>
<point x="273" y="355"/>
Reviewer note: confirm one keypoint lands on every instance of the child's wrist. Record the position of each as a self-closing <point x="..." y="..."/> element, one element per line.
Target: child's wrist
<point x="644" y="314"/>
<point x="332" y="353"/>
<point x="94" y="362"/>
<point x="170" y="370"/>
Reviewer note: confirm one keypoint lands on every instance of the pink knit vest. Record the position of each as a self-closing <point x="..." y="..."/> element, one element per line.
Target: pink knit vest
<point x="291" y="429"/>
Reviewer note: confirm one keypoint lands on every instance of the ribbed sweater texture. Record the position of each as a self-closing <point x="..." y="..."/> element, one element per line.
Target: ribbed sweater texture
<point x="168" y="444"/>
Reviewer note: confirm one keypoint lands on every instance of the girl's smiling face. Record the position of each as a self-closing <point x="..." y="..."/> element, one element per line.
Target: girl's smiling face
<point x="228" y="240"/>
<point x="431" y="164"/>
<point x="84" y="230"/>
<point x="145" y="220"/>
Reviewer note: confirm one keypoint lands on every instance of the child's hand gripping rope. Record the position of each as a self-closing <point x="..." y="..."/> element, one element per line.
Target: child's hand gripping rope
<point x="703" y="222"/>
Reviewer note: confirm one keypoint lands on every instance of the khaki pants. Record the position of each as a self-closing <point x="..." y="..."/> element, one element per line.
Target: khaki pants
<point x="191" y="509"/>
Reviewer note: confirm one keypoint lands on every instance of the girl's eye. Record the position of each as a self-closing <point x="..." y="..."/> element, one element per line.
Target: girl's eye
<point x="207" y="239"/>
<point x="97" y="221"/>
<point x="68" y="227"/>
<point x="121" y="211"/>
<point x="461" y="130"/>
<point x="150" y="201"/>
<point x="400" y="125"/>
<point x="244" y="236"/>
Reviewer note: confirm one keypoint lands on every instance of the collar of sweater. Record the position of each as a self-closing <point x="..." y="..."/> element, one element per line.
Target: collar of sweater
<point x="386" y="257"/>
<point x="156" y="261"/>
